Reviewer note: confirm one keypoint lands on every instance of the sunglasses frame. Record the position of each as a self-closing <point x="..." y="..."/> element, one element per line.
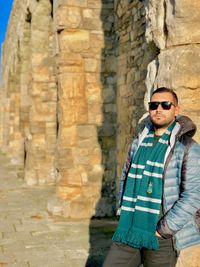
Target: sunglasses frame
<point x="166" y="105"/>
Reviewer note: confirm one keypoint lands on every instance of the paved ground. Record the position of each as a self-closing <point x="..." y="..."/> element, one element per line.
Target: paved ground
<point x="30" y="237"/>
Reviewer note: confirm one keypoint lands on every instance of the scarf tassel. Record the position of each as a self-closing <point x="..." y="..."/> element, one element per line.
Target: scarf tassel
<point x="137" y="238"/>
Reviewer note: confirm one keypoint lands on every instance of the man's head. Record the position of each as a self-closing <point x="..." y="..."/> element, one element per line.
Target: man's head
<point x="163" y="107"/>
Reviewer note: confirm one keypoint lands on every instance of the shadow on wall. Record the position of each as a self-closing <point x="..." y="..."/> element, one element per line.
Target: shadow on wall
<point x="125" y="48"/>
<point x="101" y="230"/>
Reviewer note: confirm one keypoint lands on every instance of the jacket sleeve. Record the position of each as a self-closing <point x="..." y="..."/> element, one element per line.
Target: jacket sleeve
<point x="188" y="204"/>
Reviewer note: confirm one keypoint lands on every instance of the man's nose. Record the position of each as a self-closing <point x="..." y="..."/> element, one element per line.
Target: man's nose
<point x="159" y="107"/>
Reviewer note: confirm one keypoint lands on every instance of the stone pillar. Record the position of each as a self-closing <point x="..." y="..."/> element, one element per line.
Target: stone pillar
<point x="12" y="138"/>
<point x="40" y="132"/>
<point x="25" y="88"/>
<point x="80" y="43"/>
<point x="174" y="28"/>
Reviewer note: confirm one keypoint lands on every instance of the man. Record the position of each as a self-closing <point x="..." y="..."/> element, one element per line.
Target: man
<point x="159" y="191"/>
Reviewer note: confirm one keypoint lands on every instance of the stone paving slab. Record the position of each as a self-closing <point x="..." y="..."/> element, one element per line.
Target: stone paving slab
<point x="31" y="237"/>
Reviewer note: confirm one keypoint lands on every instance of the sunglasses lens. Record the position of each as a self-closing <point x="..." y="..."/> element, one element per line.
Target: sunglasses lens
<point x="166" y="105"/>
<point x="153" y="105"/>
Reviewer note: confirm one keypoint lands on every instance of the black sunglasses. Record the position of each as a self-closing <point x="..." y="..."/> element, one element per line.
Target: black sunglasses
<point x="166" y="105"/>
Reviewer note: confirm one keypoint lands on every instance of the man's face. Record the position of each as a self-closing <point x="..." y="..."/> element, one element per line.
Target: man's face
<point x="160" y="117"/>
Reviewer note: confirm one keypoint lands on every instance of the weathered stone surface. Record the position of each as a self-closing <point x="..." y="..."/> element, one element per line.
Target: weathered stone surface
<point x="189" y="257"/>
<point x="179" y="69"/>
<point x="74" y="40"/>
<point x="182" y="22"/>
<point x="156" y="23"/>
<point x="68" y="17"/>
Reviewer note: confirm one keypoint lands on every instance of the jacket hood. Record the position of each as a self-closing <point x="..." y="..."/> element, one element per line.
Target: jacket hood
<point x="187" y="126"/>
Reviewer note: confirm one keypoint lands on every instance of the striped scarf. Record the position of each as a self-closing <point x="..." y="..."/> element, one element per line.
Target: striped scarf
<point x="143" y="194"/>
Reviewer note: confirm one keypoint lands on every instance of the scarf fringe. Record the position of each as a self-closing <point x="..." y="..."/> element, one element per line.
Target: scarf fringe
<point x="137" y="238"/>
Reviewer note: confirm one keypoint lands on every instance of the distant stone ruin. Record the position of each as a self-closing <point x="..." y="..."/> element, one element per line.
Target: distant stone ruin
<point x="75" y="81"/>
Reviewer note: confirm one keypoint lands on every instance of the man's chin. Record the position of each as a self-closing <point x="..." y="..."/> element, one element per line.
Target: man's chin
<point x="159" y="125"/>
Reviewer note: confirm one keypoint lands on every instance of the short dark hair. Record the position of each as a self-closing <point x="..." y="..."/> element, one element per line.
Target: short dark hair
<point x="166" y="90"/>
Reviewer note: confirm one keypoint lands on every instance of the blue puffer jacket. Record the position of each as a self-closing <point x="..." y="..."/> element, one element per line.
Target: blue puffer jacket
<point x="181" y="186"/>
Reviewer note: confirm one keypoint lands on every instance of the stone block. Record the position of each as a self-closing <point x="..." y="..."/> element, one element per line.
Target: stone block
<point x="73" y="111"/>
<point x="86" y="131"/>
<point x="40" y="74"/>
<point x="64" y="159"/>
<point x="81" y="156"/>
<point x="92" y="24"/>
<point x="180" y="67"/>
<point x="94" y="4"/>
<point x="93" y="78"/>
<point x="109" y="94"/>
<point x="39" y="41"/>
<point x="182" y="22"/>
<point x="38" y="88"/>
<point x="82" y="208"/>
<point x="37" y="127"/>
<point x="95" y="157"/>
<point x="43" y="111"/>
<point x="71" y="177"/>
<point x="67" y="136"/>
<point x="72" y="85"/>
<point x="67" y="192"/>
<point x="97" y="118"/>
<point x="38" y="141"/>
<point x="92" y="65"/>
<point x="74" y="40"/>
<point x="70" y="63"/>
<point x="93" y="92"/>
<point x="68" y="17"/>
<point x="77" y="3"/>
<point x="110" y="64"/>
<point x="97" y="40"/>
<point x="91" y="13"/>
<point x="38" y="59"/>
<point x="91" y="189"/>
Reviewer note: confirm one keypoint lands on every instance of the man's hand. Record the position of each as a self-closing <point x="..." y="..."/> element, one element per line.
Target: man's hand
<point x="157" y="234"/>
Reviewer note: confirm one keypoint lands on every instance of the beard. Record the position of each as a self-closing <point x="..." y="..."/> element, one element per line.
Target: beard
<point x="159" y="126"/>
<point x="162" y="124"/>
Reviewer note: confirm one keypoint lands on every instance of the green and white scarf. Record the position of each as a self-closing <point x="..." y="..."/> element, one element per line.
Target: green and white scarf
<point x="143" y="194"/>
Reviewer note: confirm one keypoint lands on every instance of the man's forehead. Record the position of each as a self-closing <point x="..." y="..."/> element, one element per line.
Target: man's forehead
<point x="162" y="96"/>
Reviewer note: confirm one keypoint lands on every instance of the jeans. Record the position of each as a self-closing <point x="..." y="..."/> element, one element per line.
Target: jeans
<point x="121" y="255"/>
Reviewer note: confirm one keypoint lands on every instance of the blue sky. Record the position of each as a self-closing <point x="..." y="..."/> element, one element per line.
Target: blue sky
<point x="5" y="7"/>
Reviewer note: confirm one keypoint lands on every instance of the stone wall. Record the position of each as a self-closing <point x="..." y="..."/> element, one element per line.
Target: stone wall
<point x="29" y="91"/>
<point x="73" y="91"/>
<point x="59" y="101"/>
<point x="174" y="28"/>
